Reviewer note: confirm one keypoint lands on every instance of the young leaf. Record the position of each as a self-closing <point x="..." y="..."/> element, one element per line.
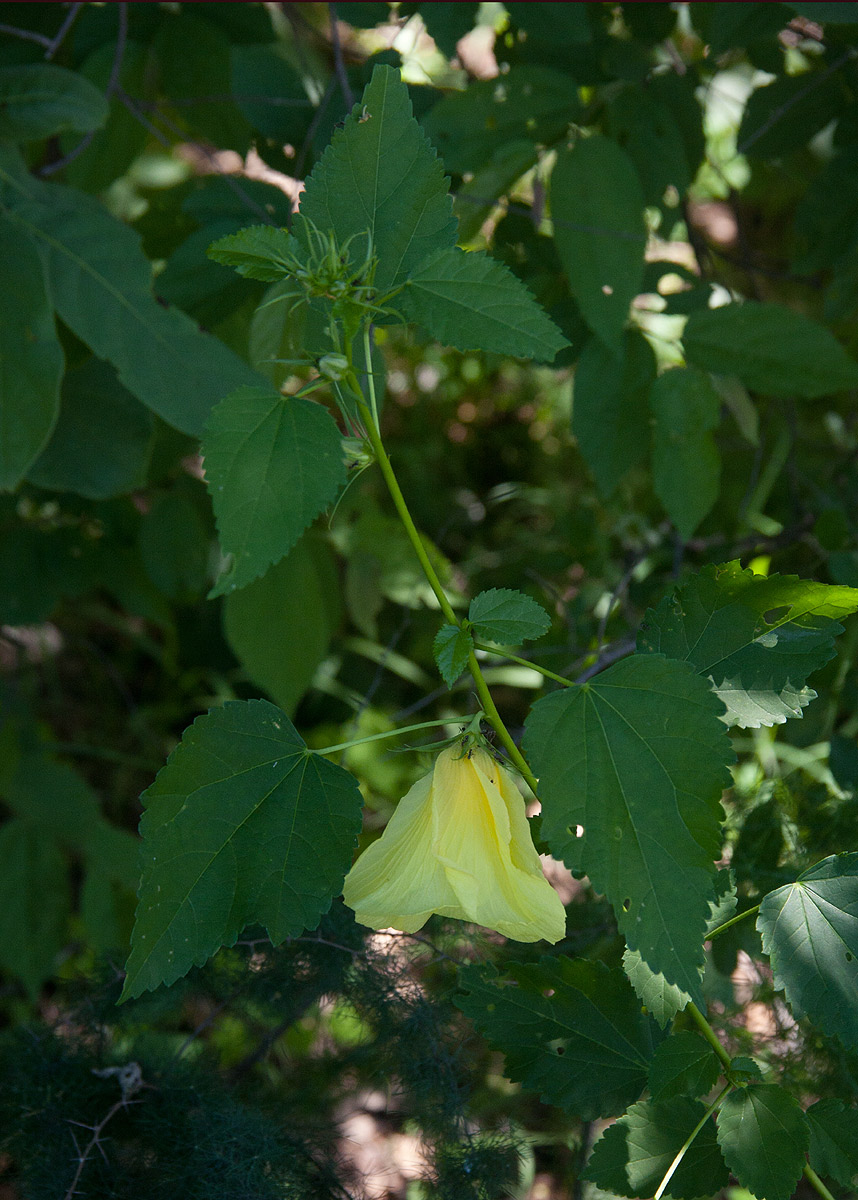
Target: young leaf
<point x="31" y="365"/>
<point x="242" y="826"/>
<point x="260" y="252"/>
<point x="280" y="626"/>
<point x="683" y="1065"/>
<point x="810" y="932"/>
<point x="686" y="465"/>
<point x="834" y="1140"/>
<point x="763" y="1137"/>
<point x="757" y="638"/>
<point x="381" y="174"/>
<point x="452" y="645"/>
<point x="508" y="617"/>
<point x="610" y="412"/>
<point x="597" y="208"/>
<point x="660" y="998"/>
<point x="637" y="759"/>
<point x="572" y="1031"/>
<point x="102" y="288"/>
<point x="39" y="100"/>
<point x="273" y="463"/>
<point x="772" y="349"/>
<point x="472" y="302"/>
<point x="633" y="1155"/>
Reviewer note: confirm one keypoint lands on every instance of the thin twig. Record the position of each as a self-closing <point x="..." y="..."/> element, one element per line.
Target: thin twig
<point x="339" y="64"/>
<point x="60" y="35"/>
<point x="112" y="86"/>
<point x="94" y="1142"/>
<point x="610" y="654"/>
<point x="814" y="82"/>
<point x="28" y="35"/>
<point x="313" y="126"/>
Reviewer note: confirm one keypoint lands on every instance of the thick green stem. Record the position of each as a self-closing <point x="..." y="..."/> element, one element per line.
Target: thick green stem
<point x="669" y="1173"/>
<point x="709" y="1033"/>
<point x="733" y="921"/>
<point x="815" y="1182"/>
<point x="489" y="707"/>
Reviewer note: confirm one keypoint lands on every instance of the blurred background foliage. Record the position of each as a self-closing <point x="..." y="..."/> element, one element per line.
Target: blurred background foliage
<point x="336" y="1065"/>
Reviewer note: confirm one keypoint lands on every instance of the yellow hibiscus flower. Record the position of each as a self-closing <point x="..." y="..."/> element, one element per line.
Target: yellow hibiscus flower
<point x="459" y="845"/>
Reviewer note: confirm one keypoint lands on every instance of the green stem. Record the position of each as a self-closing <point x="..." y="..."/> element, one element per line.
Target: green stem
<point x="733" y="921"/>
<point x="489" y="707"/>
<point x="669" y="1173"/>
<point x="815" y="1182"/>
<point x="709" y="1033"/>
<point x="388" y="733"/>
<point x="525" y="662"/>
<point x="370" y="382"/>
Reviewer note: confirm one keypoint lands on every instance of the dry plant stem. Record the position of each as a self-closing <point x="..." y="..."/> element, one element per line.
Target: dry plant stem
<point x="485" y="696"/>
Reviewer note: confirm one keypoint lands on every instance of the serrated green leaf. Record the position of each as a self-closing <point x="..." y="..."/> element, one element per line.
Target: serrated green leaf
<point x="631" y="767"/>
<point x="272" y="463"/>
<point x="101" y="443"/>
<point x="34" y="902"/>
<point x="660" y="998"/>
<point x="633" y="1155"/>
<point x="31" y="366"/>
<point x="683" y="1065"/>
<point x="756" y="637"/>
<point x="452" y="645"/>
<point x="242" y="826"/>
<point x="744" y="1070"/>
<point x="39" y="100"/>
<point x="686" y="465"/>
<point x="280" y="626"/>
<point x="597" y="209"/>
<point x="101" y="285"/>
<point x="471" y="302"/>
<point x="381" y="174"/>
<point x="572" y="1031"/>
<point x="810" y="933"/>
<point x="259" y="252"/>
<point x="772" y="349"/>
<point x="834" y="1140"/>
<point x="509" y="617"/>
<point x="610" y="409"/>
<point x="763" y="1137"/>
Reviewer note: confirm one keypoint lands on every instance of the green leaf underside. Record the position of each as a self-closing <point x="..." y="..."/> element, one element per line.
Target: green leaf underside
<point x="38" y="100"/>
<point x="758" y="667"/>
<point x="810" y="932"/>
<point x="638" y="759"/>
<point x="597" y="208"/>
<point x="102" y="288"/>
<point x="763" y="1137"/>
<point x="683" y="1065"/>
<point x="259" y="252"/>
<point x="381" y="174"/>
<point x="772" y="349"/>
<point x="686" y="465"/>
<point x="610" y="412"/>
<point x="280" y="626"/>
<point x="508" y="617"/>
<point x="242" y="826"/>
<point x="452" y="646"/>
<point x="633" y="1155"/>
<point x="572" y="1031"/>
<point x="31" y="366"/>
<point x="471" y="302"/>
<point x="834" y="1140"/>
<point x="662" y="999"/>
<point x="272" y="464"/>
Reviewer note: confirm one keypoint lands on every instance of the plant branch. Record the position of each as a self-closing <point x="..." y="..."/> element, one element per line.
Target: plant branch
<point x="816" y="1183"/>
<point x="733" y="921"/>
<point x="524" y="662"/>
<point x="709" y="1033"/>
<point x="669" y="1173"/>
